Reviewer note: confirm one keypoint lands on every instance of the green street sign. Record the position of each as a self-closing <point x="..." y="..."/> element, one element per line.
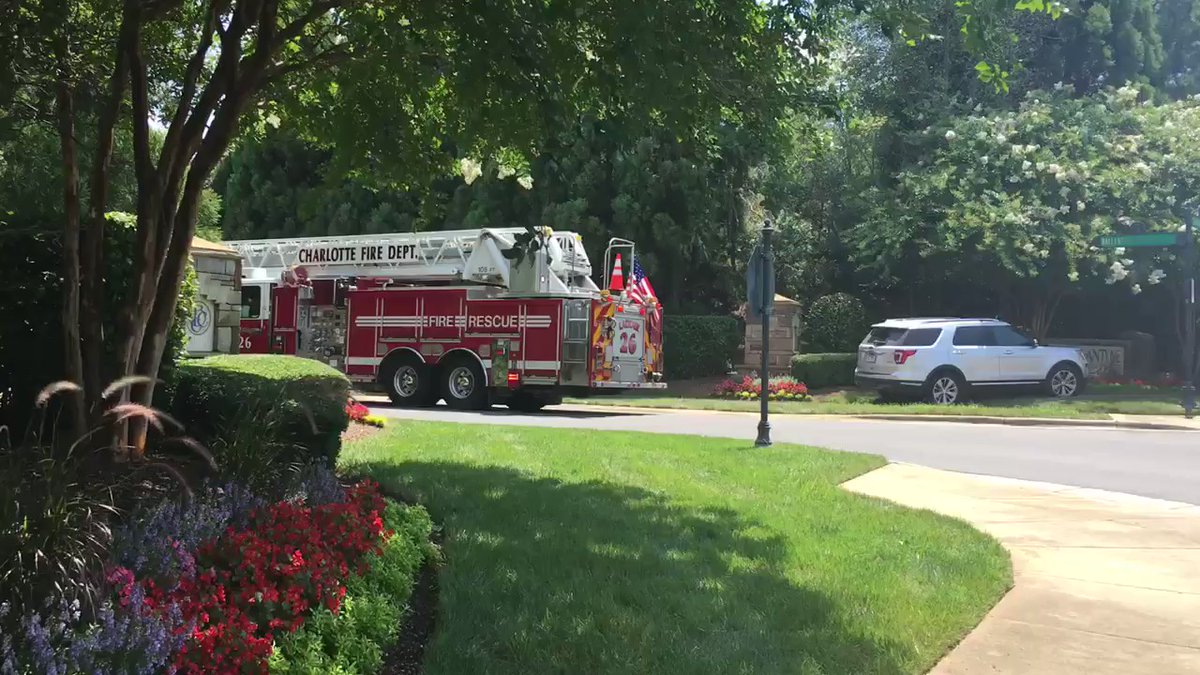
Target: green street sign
<point x="1136" y="240"/>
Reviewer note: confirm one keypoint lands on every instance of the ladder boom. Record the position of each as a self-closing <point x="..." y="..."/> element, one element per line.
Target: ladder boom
<point x="473" y="256"/>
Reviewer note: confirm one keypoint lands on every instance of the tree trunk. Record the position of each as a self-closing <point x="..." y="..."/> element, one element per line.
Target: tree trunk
<point x="177" y="226"/>
<point x="1040" y="310"/>
<point x="65" y="110"/>
<point x="92" y="258"/>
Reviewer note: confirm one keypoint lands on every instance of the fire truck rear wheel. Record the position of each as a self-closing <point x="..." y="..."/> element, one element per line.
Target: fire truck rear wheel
<point x="463" y="384"/>
<point x="408" y="381"/>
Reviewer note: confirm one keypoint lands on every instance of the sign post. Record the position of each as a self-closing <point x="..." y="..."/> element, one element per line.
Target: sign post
<point x="1189" y="316"/>
<point x="1186" y="241"/>
<point x="760" y="303"/>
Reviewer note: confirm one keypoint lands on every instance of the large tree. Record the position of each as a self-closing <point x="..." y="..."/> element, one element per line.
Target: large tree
<point x="679" y="199"/>
<point x="1007" y="207"/>
<point x="396" y="88"/>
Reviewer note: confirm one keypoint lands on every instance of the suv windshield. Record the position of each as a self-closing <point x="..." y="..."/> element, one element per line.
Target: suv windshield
<point x="891" y="336"/>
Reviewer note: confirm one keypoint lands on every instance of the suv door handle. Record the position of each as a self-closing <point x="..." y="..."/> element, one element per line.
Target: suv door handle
<point x="1008" y="351"/>
<point x="956" y="351"/>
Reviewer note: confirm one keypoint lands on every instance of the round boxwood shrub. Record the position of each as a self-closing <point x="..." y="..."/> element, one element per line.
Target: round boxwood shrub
<point x="237" y="403"/>
<point x="820" y="371"/>
<point x="835" y="323"/>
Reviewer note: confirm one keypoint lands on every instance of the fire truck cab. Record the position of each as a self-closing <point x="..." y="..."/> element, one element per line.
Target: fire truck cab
<point x="453" y="316"/>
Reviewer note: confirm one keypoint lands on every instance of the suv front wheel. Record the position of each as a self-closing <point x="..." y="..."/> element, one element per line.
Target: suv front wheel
<point x="1065" y="381"/>
<point x="945" y="387"/>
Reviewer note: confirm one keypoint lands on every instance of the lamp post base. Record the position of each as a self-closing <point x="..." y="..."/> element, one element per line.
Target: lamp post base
<point x="1189" y="401"/>
<point x="764" y="435"/>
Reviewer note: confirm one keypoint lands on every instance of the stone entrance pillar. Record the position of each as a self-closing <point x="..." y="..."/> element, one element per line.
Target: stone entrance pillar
<point x="785" y="338"/>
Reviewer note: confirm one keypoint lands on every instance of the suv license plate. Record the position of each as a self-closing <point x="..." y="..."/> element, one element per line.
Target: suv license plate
<point x="868" y="357"/>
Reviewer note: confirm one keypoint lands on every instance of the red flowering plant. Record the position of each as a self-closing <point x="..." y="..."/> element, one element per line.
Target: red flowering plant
<point x="749" y="387"/>
<point x="356" y="411"/>
<point x="1161" y="381"/>
<point x="252" y="582"/>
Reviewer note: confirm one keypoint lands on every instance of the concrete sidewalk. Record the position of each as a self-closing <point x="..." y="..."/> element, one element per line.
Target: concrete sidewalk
<point x="1104" y="583"/>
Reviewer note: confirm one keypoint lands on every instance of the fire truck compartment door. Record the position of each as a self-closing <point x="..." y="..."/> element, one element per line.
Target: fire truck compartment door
<point x="626" y="351"/>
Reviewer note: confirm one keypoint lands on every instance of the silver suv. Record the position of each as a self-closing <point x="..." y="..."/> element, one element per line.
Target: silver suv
<point x="940" y="359"/>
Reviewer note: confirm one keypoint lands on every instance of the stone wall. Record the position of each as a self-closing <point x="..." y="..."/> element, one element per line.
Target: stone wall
<point x="1105" y="358"/>
<point x="215" y="325"/>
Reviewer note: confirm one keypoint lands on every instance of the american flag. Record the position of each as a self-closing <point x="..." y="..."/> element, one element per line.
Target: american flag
<point x="639" y="287"/>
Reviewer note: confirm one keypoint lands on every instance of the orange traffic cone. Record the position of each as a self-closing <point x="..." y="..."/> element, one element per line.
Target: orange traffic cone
<point x="617" y="284"/>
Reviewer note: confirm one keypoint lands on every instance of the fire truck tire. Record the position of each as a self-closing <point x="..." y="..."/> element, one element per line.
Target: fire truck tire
<point x="463" y="384"/>
<point x="408" y="381"/>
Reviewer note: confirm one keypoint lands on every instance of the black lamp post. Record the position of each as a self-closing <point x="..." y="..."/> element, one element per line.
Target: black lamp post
<point x="767" y="285"/>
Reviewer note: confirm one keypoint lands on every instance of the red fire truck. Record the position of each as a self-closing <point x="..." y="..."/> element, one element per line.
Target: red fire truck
<point x="448" y="316"/>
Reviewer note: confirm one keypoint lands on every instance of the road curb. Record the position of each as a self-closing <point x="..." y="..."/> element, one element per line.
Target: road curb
<point x="1112" y="423"/>
<point x="1031" y="421"/>
<point x="1124" y="423"/>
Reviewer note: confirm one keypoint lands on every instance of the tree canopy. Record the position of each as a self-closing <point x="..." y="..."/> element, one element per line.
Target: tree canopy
<point x="398" y="91"/>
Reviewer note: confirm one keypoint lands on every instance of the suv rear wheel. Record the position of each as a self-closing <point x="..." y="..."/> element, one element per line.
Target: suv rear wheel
<point x="945" y="387"/>
<point x="1065" y="381"/>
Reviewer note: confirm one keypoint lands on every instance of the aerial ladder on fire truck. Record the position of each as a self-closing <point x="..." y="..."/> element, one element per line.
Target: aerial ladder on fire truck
<point x="559" y="265"/>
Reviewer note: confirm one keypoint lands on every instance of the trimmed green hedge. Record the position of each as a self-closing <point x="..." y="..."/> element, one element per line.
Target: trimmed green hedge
<point x="699" y="346"/>
<point x="297" y="404"/>
<point x="819" y="371"/>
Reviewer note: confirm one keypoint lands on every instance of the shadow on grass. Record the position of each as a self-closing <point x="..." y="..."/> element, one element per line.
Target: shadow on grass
<point x="547" y="576"/>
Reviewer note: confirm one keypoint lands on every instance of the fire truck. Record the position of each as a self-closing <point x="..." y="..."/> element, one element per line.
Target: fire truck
<point x="453" y="315"/>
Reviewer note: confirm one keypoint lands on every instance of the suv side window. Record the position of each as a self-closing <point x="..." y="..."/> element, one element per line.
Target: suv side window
<point x="921" y="337"/>
<point x="974" y="336"/>
<point x="1007" y="337"/>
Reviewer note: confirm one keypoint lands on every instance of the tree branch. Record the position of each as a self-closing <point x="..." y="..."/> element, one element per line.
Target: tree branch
<point x="338" y="54"/>
<point x="191" y="78"/>
<point x="193" y="123"/>
<point x="297" y="25"/>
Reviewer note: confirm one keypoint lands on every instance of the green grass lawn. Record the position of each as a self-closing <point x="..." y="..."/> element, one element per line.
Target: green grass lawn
<point x="573" y="551"/>
<point x="1087" y="407"/>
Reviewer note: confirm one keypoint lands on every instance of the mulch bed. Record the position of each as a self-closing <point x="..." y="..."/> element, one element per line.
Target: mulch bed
<point x="407" y="657"/>
<point x="357" y="432"/>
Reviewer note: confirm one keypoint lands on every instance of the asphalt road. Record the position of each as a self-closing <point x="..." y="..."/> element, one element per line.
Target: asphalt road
<point x="1161" y="464"/>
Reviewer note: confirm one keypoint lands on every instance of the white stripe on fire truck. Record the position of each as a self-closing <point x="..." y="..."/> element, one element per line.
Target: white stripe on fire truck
<point x="538" y="365"/>
<point x="376" y="360"/>
<point x="542" y="321"/>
